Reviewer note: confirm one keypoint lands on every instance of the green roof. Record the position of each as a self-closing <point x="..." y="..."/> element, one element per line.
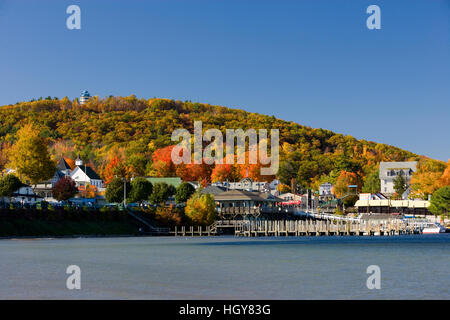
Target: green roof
<point x="174" y="181"/>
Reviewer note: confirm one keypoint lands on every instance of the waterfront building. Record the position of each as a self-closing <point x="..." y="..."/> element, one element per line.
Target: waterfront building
<point x="233" y="203"/>
<point x="325" y="189"/>
<point x="213" y="190"/>
<point x="25" y="195"/>
<point x="63" y="167"/>
<point x="386" y="206"/>
<point x="246" y="184"/>
<point x="44" y="188"/>
<point x="291" y="198"/>
<point x="85" y="96"/>
<point x="372" y="196"/>
<point x="85" y="175"/>
<point x="391" y="170"/>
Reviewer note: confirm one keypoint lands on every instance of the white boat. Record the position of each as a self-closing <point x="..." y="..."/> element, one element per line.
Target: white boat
<point x="433" y="228"/>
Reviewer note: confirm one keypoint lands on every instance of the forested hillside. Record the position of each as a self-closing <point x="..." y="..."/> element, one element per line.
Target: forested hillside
<point x="134" y="134"/>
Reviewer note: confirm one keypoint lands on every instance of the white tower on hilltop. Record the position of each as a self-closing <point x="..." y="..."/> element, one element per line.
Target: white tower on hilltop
<point x="85" y="96"/>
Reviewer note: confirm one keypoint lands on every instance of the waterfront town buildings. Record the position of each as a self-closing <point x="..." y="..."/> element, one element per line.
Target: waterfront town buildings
<point x="82" y="175"/>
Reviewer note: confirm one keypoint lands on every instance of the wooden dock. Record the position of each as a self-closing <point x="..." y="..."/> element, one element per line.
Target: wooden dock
<point x="298" y="228"/>
<point x="191" y="231"/>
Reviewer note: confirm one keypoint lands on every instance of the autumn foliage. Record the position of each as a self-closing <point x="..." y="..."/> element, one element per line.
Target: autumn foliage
<point x="138" y="132"/>
<point x="64" y="189"/>
<point x="344" y="180"/>
<point x="115" y="168"/>
<point x="430" y="176"/>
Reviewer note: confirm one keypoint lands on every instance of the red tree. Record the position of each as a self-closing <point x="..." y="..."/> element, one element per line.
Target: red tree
<point x="64" y="189"/>
<point x="162" y="162"/>
<point x="115" y="168"/>
<point x="222" y="172"/>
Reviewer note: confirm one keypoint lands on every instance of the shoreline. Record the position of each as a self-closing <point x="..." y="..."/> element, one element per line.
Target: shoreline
<point x="12" y="238"/>
<point x="74" y="236"/>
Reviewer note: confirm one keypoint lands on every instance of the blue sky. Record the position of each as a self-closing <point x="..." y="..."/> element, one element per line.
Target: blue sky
<point x="312" y="62"/>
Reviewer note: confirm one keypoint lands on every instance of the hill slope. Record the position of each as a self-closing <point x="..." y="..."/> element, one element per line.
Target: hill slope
<point x="134" y="128"/>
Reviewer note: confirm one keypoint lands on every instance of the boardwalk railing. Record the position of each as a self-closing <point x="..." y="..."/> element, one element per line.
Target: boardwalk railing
<point x="324" y="216"/>
<point x="323" y="227"/>
<point x="194" y="231"/>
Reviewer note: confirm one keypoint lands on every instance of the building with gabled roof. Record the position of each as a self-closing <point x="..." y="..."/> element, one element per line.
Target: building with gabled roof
<point x="214" y="190"/>
<point x="84" y="174"/>
<point x="231" y="203"/>
<point x="389" y="171"/>
<point x="64" y="167"/>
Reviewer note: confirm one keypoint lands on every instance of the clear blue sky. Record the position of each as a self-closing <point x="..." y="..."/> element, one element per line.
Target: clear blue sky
<point x="312" y="62"/>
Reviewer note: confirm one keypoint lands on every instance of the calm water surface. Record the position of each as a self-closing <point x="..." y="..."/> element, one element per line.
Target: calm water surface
<point x="412" y="267"/>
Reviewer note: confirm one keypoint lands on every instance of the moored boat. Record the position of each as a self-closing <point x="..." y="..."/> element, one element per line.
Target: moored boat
<point x="433" y="228"/>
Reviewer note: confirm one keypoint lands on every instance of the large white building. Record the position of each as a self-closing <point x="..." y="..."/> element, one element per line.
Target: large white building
<point x="391" y="170"/>
<point x="84" y="175"/>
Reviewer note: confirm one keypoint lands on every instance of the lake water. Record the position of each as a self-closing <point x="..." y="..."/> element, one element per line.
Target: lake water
<point x="412" y="267"/>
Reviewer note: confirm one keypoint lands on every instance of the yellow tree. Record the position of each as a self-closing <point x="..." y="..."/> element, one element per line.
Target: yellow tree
<point x="283" y="188"/>
<point x="428" y="178"/>
<point x="29" y="156"/>
<point x="3" y="154"/>
<point x="343" y="181"/>
<point x="445" y="178"/>
<point x="201" y="208"/>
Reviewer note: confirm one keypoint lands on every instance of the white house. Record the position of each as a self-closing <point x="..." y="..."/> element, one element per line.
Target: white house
<point x="25" y="195"/>
<point x="291" y="197"/>
<point x="83" y="174"/>
<point x="325" y="189"/>
<point x="391" y="170"/>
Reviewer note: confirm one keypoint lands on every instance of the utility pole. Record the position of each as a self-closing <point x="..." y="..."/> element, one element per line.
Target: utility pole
<point x="124" y="192"/>
<point x="85" y="181"/>
<point x="307" y="200"/>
